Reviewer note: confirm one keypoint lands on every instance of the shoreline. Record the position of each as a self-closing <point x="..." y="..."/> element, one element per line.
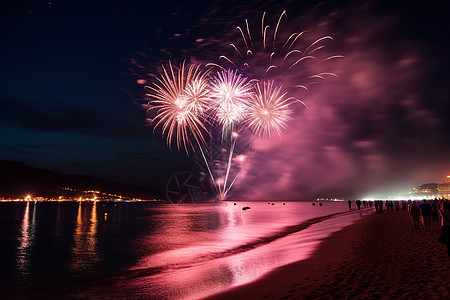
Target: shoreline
<point x="378" y="256"/>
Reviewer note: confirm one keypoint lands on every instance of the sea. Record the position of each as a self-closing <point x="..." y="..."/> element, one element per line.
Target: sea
<point x="148" y="250"/>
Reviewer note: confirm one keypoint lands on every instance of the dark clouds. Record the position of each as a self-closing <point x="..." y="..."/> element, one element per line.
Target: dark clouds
<point x="57" y="116"/>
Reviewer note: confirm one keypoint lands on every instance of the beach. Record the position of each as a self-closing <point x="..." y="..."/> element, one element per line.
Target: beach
<point x="380" y="256"/>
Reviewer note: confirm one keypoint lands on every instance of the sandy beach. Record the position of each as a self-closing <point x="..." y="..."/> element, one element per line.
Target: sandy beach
<point x="378" y="257"/>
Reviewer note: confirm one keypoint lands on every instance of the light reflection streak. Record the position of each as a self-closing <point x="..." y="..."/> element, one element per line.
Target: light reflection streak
<point x="58" y="221"/>
<point x="25" y="242"/>
<point x="93" y="227"/>
<point x="84" y="251"/>
<point x="74" y="265"/>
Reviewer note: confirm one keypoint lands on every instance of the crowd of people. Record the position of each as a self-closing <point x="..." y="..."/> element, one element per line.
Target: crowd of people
<point x="423" y="213"/>
<point x="359" y="203"/>
<point x="432" y="211"/>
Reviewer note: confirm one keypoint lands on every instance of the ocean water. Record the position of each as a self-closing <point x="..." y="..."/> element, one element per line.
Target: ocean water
<point x="144" y="250"/>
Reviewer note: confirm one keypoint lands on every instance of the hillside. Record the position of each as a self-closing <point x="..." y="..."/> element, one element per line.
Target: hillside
<point x="18" y="179"/>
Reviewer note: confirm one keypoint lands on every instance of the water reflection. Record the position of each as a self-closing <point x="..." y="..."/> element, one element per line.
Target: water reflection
<point x="58" y="221"/>
<point x="178" y="251"/>
<point x="92" y="244"/>
<point x="26" y="239"/>
<point x="242" y="249"/>
<point x="84" y="252"/>
<point x="235" y="265"/>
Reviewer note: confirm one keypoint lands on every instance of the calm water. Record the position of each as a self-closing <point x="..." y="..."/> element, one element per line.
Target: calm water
<point x="154" y="251"/>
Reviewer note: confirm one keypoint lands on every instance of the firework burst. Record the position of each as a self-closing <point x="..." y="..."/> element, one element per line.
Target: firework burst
<point x="180" y="99"/>
<point x="268" y="109"/>
<point x="229" y="95"/>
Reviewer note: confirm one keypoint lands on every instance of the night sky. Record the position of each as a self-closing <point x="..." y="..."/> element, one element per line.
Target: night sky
<point x="71" y="99"/>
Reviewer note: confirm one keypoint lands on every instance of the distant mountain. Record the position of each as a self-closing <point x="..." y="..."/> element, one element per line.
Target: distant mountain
<point x="18" y="179"/>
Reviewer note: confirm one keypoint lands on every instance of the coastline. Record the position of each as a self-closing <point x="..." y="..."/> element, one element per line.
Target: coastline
<point x="378" y="256"/>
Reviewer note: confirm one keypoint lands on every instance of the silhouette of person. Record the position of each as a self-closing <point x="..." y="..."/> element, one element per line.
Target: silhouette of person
<point x="425" y="209"/>
<point x="414" y="211"/>
<point x="445" y="222"/>
<point x="434" y="211"/>
<point x="349" y="204"/>
<point x="358" y="203"/>
<point x="404" y="205"/>
<point x="390" y="206"/>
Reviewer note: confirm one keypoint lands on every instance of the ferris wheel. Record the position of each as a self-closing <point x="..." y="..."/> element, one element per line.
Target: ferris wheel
<point x="183" y="187"/>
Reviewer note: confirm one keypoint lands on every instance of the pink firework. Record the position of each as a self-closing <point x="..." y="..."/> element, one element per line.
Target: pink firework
<point x="268" y="109"/>
<point x="181" y="99"/>
<point x="229" y="94"/>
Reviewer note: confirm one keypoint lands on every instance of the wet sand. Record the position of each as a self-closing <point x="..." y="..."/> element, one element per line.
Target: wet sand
<point x="378" y="257"/>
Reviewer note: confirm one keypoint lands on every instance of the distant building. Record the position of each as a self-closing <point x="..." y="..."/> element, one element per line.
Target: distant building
<point x="425" y="191"/>
<point x="444" y="188"/>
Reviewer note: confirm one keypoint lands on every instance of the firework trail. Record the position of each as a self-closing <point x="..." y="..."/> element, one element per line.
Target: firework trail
<point x="269" y="53"/>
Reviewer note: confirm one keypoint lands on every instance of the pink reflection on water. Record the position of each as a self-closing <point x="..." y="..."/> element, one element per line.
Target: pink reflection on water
<point x="199" y="264"/>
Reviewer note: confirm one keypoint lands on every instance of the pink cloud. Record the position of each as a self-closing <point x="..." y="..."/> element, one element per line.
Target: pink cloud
<point x="360" y="131"/>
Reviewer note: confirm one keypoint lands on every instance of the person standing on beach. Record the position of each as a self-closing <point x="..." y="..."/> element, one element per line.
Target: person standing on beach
<point x="425" y="209"/>
<point x="434" y="211"/>
<point x="414" y="211"/>
<point x="445" y="221"/>
<point x="390" y="206"/>
<point x="404" y="205"/>
<point x="349" y="204"/>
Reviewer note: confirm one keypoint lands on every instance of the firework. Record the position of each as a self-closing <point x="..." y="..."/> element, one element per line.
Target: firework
<point x="249" y="96"/>
<point x="181" y="99"/>
<point x="229" y="95"/>
<point x="272" y="54"/>
<point x="268" y="109"/>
